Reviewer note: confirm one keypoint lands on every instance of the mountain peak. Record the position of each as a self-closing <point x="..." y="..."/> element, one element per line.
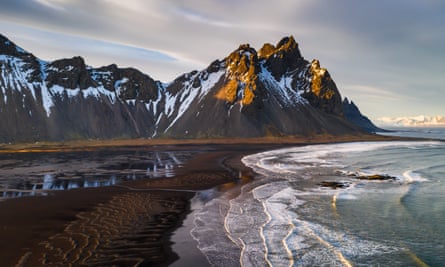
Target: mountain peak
<point x="287" y="43"/>
<point x="250" y="93"/>
<point x="242" y="69"/>
<point x="285" y="47"/>
<point x="69" y="73"/>
<point x="246" y="48"/>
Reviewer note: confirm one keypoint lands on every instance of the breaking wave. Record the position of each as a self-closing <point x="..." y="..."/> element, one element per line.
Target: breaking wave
<point x="283" y="218"/>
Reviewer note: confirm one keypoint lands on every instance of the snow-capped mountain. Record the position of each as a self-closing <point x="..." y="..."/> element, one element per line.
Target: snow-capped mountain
<point x="273" y="91"/>
<point x="416" y="121"/>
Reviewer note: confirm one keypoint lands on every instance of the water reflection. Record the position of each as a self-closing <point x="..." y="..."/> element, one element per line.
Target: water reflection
<point x="37" y="173"/>
<point x="230" y="189"/>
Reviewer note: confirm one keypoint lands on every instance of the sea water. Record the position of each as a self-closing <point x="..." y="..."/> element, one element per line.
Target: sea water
<point x="285" y="218"/>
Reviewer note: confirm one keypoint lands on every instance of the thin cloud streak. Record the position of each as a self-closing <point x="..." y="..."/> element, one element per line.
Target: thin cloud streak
<point x="373" y="44"/>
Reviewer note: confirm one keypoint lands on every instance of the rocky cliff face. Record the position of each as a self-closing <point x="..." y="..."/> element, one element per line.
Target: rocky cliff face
<point x="353" y="115"/>
<point x="65" y="99"/>
<point x="273" y="91"/>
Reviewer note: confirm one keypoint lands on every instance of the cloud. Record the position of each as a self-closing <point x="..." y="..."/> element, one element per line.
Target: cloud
<point x="395" y="46"/>
<point x="51" y="4"/>
<point x="372" y="92"/>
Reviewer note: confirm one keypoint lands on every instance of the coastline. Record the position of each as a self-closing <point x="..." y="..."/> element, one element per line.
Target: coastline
<point x="88" y="145"/>
<point x="33" y="226"/>
<point x="39" y="230"/>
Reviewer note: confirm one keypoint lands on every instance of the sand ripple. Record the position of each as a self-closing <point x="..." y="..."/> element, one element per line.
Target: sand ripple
<point x="129" y="230"/>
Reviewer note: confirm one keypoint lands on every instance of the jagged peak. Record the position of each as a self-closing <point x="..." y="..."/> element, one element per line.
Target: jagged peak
<point x="112" y="67"/>
<point x="316" y="69"/>
<point x="242" y="61"/>
<point x="76" y="62"/>
<point x="245" y="49"/>
<point x="267" y="50"/>
<point x="348" y="101"/>
<point x="285" y="45"/>
<point x="242" y="68"/>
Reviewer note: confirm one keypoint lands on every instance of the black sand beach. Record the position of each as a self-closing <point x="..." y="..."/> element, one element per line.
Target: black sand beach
<point x="125" y="224"/>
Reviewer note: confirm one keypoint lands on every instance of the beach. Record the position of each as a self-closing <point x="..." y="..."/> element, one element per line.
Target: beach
<point x="129" y="222"/>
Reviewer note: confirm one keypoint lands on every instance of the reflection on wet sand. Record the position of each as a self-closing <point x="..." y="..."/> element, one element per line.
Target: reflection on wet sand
<point x="39" y="173"/>
<point x="128" y="224"/>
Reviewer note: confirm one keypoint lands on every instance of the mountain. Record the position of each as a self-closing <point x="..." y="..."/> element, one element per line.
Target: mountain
<point x="270" y="92"/>
<point x="417" y="121"/>
<point x="353" y="114"/>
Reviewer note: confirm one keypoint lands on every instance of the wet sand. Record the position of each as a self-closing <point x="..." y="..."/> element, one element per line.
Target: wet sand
<point x="123" y="225"/>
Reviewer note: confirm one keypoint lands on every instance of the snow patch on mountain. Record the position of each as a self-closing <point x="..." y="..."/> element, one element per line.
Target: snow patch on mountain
<point x="282" y="90"/>
<point x="47" y="100"/>
<point x="16" y="76"/>
<point x="118" y="85"/>
<point x="209" y="82"/>
<point x="189" y="94"/>
<point x="99" y="91"/>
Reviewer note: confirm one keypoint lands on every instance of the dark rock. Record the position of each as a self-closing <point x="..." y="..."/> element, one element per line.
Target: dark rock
<point x="376" y="177"/>
<point x="282" y="58"/>
<point x="333" y="184"/>
<point x="134" y="84"/>
<point x="361" y="176"/>
<point x="323" y="93"/>
<point x="353" y="114"/>
<point x="69" y="73"/>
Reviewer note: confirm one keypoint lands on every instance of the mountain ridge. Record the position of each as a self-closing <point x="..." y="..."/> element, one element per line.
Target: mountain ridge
<point x="270" y="92"/>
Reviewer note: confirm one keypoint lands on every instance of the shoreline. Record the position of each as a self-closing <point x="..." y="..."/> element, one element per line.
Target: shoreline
<point x="39" y="230"/>
<point x="91" y="145"/>
<point x="36" y="228"/>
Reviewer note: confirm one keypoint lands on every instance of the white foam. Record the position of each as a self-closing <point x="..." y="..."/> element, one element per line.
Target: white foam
<point x="331" y="247"/>
<point x="346" y="196"/>
<point x="279" y="227"/>
<point x="210" y="242"/>
<point x="315" y="156"/>
<point x="263" y="223"/>
<point x="412" y="177"/>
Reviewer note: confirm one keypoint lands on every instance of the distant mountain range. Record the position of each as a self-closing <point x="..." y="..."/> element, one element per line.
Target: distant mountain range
<point x="270" y="92"/>
<point x="416" y="121"/>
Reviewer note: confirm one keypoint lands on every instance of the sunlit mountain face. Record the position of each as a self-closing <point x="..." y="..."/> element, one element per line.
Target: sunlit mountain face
<point x="270" y="92"/>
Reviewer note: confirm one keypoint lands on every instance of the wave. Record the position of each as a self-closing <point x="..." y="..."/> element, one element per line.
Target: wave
<point x="412" y="177"/>
<point x="282" y="218"/>
<point x="293" y="160"/>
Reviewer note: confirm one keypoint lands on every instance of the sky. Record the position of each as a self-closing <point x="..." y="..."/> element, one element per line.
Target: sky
<point x="386" y="56"/>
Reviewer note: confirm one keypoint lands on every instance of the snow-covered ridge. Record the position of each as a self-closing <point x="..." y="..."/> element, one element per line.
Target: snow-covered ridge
<point x="189" y="94"/>
<point x="17" y="77"/>
<point x="77" y="100"/>
<point x="282" y="89"/>
<point x="416" y="121"/>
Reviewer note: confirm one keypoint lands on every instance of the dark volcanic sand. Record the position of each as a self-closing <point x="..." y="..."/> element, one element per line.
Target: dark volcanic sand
<point x="127" y="224"/>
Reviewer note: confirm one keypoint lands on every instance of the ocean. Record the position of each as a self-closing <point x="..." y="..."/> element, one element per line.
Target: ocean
<point x="286" y="217"/>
